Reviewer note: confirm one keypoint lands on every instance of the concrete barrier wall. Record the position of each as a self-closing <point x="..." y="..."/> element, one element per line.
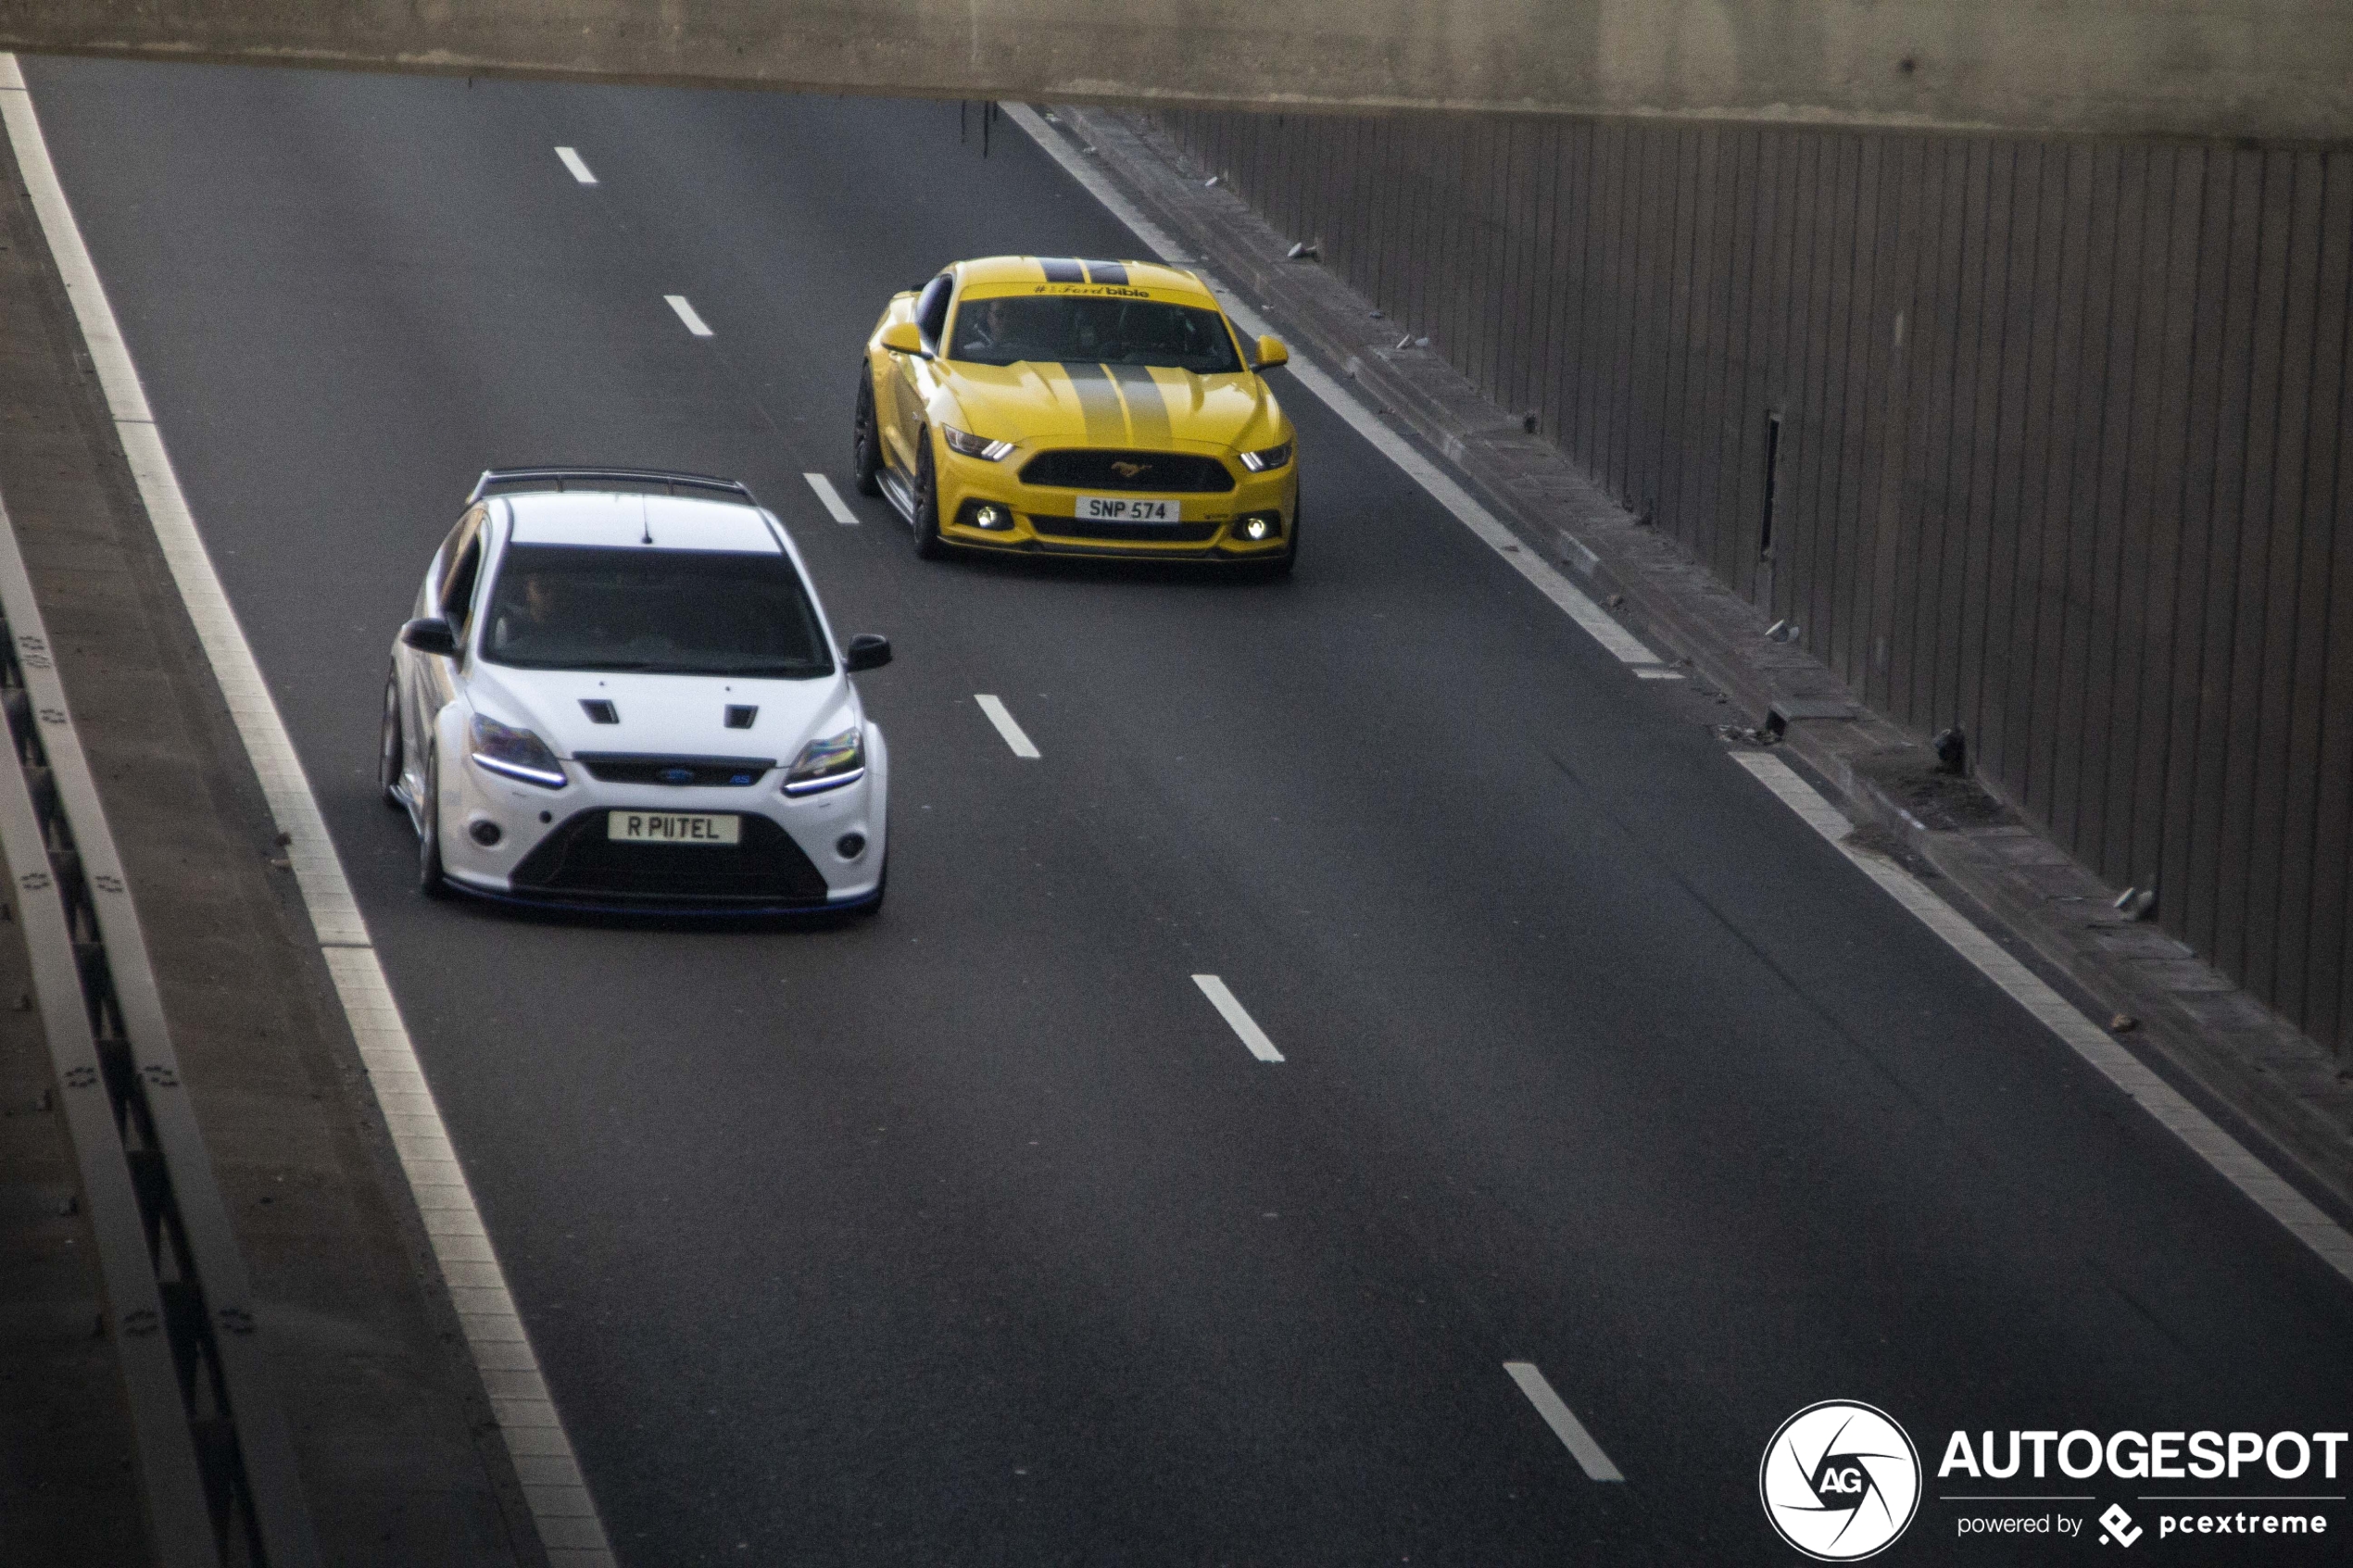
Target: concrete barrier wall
<point x="2270" y="68"/>
<point x="2052" y="438"/>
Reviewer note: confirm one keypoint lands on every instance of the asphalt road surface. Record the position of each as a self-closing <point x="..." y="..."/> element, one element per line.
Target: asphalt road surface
<point x="974" y="1234"/>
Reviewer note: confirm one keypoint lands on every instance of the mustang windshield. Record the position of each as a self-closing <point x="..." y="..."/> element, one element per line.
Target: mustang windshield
<point x="683" y="612"/>
<point x="1090" y="329"/>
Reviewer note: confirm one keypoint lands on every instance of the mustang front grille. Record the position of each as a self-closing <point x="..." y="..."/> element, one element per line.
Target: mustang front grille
<point x="1167" y="473"/>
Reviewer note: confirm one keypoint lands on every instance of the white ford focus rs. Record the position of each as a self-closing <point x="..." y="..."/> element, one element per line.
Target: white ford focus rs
<point x="618" y="692"/>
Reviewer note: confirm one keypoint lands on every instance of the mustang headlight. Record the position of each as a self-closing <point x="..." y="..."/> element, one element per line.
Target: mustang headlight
<point x="828" y="763"/>
<point x="518" y="754"/>
<point x="973" y="446"/>
<point x="1272" y="457"/>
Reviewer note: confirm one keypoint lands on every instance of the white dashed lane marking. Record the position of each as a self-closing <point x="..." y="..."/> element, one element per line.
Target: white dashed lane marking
<point x="831" y="499"/>
<point x="1014" y="737"/>
<point x="572" y="161"/>
<point x="1564" y="1422"/>
<point x="686" y="314"/>
<point x="1236" y="1018"/>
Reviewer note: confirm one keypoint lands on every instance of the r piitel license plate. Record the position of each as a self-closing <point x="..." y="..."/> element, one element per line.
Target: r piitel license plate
<point x="674" y="827"/>
<point x="1127" y="508"/>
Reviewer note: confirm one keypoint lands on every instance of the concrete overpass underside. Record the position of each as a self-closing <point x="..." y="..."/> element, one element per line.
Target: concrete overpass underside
<point x="2276" y="70"/>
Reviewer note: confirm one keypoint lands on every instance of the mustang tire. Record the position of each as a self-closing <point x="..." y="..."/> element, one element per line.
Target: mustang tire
<point x="929" y="543"/>
<point x="865" y="451"/>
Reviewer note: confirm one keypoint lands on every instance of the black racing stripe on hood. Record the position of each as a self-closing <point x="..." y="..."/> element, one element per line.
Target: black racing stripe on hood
<point x="1099" y="403"/>
<point x="1105" y="272"/>
<point x="1061" y="271"/>
<point x="1147" y="404"/>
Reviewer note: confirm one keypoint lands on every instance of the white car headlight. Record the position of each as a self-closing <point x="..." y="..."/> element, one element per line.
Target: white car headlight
<point x="1270" y="458"/>
<point x="828" y="763"/>
<point x="973" y="446"/>
<point x="518" y="754"/>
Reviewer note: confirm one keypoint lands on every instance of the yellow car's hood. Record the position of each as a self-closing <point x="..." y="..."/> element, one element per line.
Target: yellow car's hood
<point x="1112" y="405"/>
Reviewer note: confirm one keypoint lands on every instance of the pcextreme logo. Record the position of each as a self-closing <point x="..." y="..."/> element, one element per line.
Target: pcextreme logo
<point x="1840" y="1481"/>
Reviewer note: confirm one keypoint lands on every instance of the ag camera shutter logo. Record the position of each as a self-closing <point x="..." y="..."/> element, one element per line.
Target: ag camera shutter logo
<point x="1841" y="1481"/>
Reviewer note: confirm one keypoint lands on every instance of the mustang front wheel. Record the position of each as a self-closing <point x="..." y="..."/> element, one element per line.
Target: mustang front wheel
<point x="929" y="543"/>
<point x="865" y="451"/>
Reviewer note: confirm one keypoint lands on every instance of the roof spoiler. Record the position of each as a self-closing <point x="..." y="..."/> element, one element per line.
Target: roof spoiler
<point x="504" y="479"/>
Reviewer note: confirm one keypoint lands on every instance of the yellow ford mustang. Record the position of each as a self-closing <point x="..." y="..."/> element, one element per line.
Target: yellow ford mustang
<point x="1077" y="407"/>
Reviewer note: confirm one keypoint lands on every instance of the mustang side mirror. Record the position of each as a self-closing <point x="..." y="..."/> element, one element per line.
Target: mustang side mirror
<point x="866" y="651"/>
<point x="905" y="337"/>
<point x="1271" y="353"/>
<point x="431" y="635"/>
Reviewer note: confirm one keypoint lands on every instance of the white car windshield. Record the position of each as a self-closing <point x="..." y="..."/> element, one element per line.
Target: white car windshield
<point x="688" y="612"/>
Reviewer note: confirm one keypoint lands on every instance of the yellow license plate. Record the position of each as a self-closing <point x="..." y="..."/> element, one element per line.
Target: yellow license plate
<point x="674" y="827"/>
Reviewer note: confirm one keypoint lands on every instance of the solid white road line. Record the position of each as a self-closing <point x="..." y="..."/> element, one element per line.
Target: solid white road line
<point x="579" y="169"/>
<point x="1006" y="726"/>
<point x="1237" y="1019"/>
<point x="1621" y="644"/>
<point x="831" y="498"/>
<point x="1564" y="1422"/>
<point x="562" y="1508"/>
<point x="694" y="323"/>
<point x="2087" y="1039"/>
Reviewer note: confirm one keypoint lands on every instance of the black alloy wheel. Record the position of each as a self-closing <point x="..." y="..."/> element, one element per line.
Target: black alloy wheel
<point x="928" y="544"/>
<point x="865" y="451"/>
<point x="388" y="756"/>
<point x="430" y="880"/>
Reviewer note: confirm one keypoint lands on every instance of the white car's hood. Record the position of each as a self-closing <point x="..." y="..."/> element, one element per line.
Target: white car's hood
<point x="664" y="715"/>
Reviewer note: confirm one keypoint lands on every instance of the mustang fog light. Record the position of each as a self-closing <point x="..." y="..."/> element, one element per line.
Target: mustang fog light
<point x="1258" y="527"/>
<point x="484" y="833"/>
<point x="986" y="514"/>
<point x="850" y="846"/>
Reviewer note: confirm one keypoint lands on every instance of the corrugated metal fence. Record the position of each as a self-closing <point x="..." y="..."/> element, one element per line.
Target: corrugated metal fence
<point x="2048" y="438"/>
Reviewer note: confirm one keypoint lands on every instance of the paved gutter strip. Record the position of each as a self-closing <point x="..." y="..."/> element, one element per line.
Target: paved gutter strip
<point x="566" y="1518"/>
<point x="254" y="1483"/>
<point x="2292" y="1094"/>
<point x="179" y="1516"/>
<point x="2296" y="1212"/>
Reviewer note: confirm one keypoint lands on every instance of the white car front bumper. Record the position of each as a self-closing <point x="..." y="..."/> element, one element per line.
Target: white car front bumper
<point x="819" y="852"/>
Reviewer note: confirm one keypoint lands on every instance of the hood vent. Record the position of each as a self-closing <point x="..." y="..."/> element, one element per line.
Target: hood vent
<point x="740" y="717"/>
<point x="599" y="711"/>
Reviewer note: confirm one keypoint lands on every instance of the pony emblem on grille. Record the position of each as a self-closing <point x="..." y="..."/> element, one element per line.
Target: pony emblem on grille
<point x="1128" y="471"/>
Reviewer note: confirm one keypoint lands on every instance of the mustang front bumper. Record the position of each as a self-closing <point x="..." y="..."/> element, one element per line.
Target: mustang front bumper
<point x="987" y="506"/>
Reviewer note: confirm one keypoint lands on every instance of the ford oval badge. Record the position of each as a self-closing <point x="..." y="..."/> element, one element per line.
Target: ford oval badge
<point x="676" y="776"/>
